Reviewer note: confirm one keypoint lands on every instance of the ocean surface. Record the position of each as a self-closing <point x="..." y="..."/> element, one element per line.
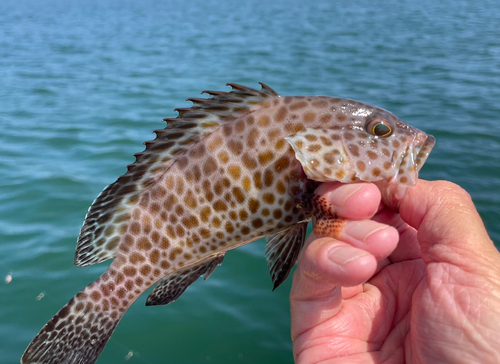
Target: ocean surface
<point x="83" y="84"/>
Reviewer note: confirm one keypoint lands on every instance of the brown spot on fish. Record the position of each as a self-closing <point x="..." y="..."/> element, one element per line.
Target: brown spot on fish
<point x="329" y="158"/>
<point x="257" y="223"/>
<point x="361" y="166"/>
<point x="265" y="157"/>
<point x="95" y="296"/>
<point x="223" y="156"/>
<point x="257" y="180"/>
<point x="371" y="155"/>
<point x="281" y="164"/>
<point x="229" y="227"/>
<point x="136" y="258"/>
<point x="220" y="206"/>
<point x="354" y="149"/>
<point x="170" y="201"/>
<point x="145" y="269"/>
<point x="154" y="256"/>
<point x="215" y="143"/>
<point x="243" y="215"/>
<point x="340" y="175"/>
<point x="325" y="118"/>
<point x="216" y="222"/>
<point x="129" y="271"/>
<point x="227" y="130"/>
<point x="205" y="213"/>
<point x="144" y="244"/>
<point x="314" y="148"/>
<point x="264" y="121"/>
<point x="268" y="178"/>
<point x="252" y="137"/>
<point x="239" y="194"/>
<point x="235" y="146"/>
<point x="210" y="166"/>
<point x="190" y="221"/>
<point x="274" y="134"/>
<point x="247" y="185"/>
<point x="253" y="205"/>
<point x="240" y="126"/>
<point x="298" y="105"/>
<point x="179" y="230"/>
<point x="135" y="228"/>
<point x="348" y="136"/>
<point x="170" y="232"/>
<point x="190" y="199"/>
<point x="268" y="198"/>
<point x="234" y="171"/>
<point x="309" y="117"/>
<point x="174" y="253"/>
<point x="294" y="128"/>
<point x="280" y="114"/>
<point x="319" y="103"/>
<point x="280" y="144"/>
<point x="280" y="187"/>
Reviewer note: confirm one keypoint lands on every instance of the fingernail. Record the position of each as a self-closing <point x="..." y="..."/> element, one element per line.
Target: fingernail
<point x="339" y="196"/>
<point x="361" y="230"/>
<point x="344" y="255"/>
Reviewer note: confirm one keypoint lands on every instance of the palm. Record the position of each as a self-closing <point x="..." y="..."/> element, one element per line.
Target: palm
<point x="373" y="324"/>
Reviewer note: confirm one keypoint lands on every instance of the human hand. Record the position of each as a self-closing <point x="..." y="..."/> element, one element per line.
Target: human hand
<point x="435" y="298"/>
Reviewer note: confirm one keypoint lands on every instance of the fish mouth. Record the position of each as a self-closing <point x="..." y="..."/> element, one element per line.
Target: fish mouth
<point x="421" y="151"/>
<point x="413" y="159"/>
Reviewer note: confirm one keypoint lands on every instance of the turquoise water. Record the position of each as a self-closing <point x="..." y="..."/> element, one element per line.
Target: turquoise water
<point x="83" y="84"/>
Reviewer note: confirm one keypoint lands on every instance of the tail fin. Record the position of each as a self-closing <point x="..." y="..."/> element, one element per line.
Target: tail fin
<point x="77" y="334"/>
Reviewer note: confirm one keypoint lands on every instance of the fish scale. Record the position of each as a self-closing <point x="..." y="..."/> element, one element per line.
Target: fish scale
<point x="231" y="169"/>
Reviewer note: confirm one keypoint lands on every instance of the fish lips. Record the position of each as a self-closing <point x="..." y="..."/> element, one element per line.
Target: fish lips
<point x="413" y="158"/>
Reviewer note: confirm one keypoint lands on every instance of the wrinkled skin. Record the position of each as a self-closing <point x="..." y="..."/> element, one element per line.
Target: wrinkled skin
<point x="434" y="297"/>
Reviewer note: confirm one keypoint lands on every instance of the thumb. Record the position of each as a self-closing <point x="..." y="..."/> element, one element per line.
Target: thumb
<point x="450" y="229"/>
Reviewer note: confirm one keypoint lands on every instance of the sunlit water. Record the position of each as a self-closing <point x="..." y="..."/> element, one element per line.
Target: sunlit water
<point x="82" y="84"/>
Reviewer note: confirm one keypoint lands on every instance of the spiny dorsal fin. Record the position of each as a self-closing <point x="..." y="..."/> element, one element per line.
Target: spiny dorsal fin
<point x="173" y="286"/>
<point x="100" y="234"/>
<point x="282" y="251"/>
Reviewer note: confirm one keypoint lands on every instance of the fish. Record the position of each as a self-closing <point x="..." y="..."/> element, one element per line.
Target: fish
<point x="232" y="168"/>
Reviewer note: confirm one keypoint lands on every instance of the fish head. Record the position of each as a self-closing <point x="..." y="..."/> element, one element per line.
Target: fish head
<point x="362" y="143"/>
<point x="382" y="147"/>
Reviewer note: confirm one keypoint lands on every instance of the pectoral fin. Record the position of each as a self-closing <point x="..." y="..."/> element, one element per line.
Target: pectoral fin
<point x="325" y="222"/>
<point x="173" y="286"/>
<point x="282" y="251"/>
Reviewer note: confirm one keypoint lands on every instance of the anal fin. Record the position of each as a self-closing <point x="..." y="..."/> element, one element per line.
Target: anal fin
<point x="282" y="251"/>
<point x="173" y="286"/>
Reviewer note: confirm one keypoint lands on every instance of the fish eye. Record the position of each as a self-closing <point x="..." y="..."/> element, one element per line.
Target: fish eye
<point x="379" y="127"/>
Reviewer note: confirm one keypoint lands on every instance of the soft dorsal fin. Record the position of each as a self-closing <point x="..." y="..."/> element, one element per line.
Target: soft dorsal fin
<point x="173" y="286"/>
<point x="282" y="251"/>
<point x="99" y="236"/>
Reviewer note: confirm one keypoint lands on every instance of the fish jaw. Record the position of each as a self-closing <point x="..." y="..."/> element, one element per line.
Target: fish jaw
<point x="413" y="159"/>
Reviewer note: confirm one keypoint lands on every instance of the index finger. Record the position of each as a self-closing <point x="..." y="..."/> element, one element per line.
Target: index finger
<point x="356" y="201"/>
